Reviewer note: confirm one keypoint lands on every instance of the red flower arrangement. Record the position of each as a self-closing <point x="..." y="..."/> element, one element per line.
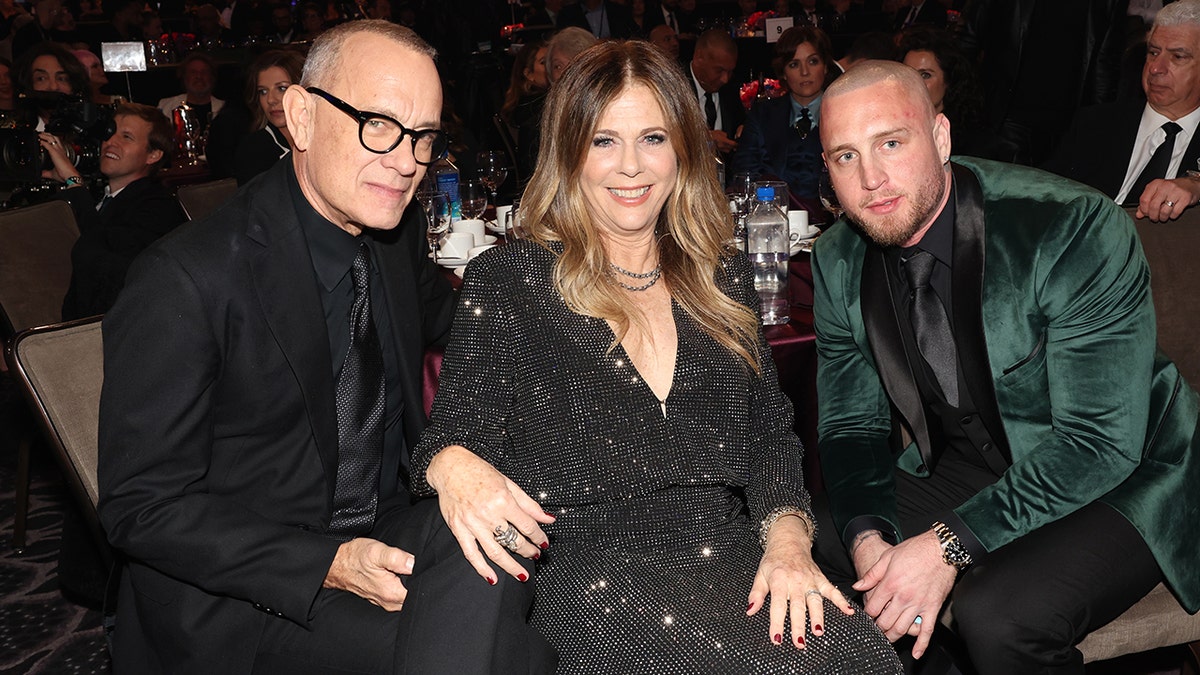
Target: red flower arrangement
<point x="756" y="89"/>
<point x="757" y="19"/>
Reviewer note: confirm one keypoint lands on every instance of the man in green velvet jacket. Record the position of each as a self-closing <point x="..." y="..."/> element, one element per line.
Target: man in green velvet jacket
<point x="1047" y="477"/>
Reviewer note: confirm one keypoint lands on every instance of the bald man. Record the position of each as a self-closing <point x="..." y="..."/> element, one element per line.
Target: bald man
<point x="1000" y="319"/>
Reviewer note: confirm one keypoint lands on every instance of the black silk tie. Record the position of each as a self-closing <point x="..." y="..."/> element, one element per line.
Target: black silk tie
<point x="931" y="326"/>
<point x="1157" y="166"/>
<point x="710" y="110"/>
<point x="360" y="407"/>
<point x="803" y="124"/>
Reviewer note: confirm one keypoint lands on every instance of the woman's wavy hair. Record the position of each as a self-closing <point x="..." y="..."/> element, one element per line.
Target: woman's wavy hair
<point x="518" y="85"/>
<point x="291" y="62"/>
<point x="785" y="49"/>
<point x="963" y="102"/>
<point x="692" y="228"/>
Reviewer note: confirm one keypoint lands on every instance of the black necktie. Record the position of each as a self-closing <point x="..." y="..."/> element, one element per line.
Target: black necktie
<point x="710" y="110"/>
<point x="803" y="123"/>
<point x="104" y="201"/>
<point x="1157" y="166"/>
<point x="360" y="403"/>
<point x="931" y="326"/>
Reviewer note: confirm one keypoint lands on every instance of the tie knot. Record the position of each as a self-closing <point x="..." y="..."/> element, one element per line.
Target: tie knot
<point x="360" y="270"/>
<point x="919" y="267"/>
<point x="1171" y="128"/>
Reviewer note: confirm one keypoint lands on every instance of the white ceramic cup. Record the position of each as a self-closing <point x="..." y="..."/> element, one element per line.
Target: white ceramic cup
<point x="798" y="227"/>
<point x="502" y="215"/>
<point x="457" y="245"/>
<point x="473" y="227"/>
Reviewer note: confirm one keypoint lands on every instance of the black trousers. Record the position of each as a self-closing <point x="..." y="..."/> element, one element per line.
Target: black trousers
<point x="1024" y="607"/>
<point x="452" y="620"/>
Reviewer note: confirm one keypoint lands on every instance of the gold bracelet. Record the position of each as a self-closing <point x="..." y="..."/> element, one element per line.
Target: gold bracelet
<point x="765" y="527"/>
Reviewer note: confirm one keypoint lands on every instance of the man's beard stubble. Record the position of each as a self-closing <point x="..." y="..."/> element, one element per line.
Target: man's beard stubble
<point x="898" y="228"/>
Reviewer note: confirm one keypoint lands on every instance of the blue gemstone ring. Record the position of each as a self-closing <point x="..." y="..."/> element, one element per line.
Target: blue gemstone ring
<point x="917" y="621"/>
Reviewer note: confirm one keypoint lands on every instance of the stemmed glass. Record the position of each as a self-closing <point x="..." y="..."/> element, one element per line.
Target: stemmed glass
<point x="493" y="169"/>
<point x="474" y="198"/>
<point x="437" y="213"/>
<point x="741" y="193"/>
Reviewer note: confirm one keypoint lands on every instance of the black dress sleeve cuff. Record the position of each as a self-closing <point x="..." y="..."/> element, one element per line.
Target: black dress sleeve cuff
<point x="862" y="524"/>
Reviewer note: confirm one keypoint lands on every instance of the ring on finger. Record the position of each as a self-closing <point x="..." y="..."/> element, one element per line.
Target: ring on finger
<point x="917" y="621"/>
<point x="1170" y="204"/>
<point x="507" y="536"/>
<point x="811" y="591"/>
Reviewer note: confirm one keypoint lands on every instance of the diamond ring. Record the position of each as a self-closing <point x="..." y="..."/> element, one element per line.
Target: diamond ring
<point x="507" y="536"/>
<point x="1170" y="204"/>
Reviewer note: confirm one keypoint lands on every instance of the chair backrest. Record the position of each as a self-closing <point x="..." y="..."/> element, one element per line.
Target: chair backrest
<point x="60" y="370"/>
<point x="35" y="264"/>
<point x="201" y="199"/>
<point x="1174" y="279"/>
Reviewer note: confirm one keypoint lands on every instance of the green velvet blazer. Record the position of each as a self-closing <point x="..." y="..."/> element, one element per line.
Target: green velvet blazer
<point x="1051" y="275"/>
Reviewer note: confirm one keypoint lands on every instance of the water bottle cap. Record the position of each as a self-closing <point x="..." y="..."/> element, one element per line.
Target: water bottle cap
<point x="765" y="193"/>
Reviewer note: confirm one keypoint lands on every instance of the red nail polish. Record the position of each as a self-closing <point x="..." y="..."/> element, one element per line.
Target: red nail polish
<point x="800" y="641"/>
<point x="537" y="556"/>
<point x="549" y="514"/>
<point x="491" y="581"/>
<point x="544" y="545"/>
<point x="817" y="628"/>
<point x="778" y="639"/>
<point x="522" y="577"/>
<point x="749" y="607"/>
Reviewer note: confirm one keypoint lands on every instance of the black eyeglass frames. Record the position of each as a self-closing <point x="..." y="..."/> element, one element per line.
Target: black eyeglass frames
<point x="381" y="134"/>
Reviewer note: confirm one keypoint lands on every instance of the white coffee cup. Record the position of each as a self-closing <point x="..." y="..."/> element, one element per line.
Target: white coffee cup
<point x="457" y="245"/>
<point x="502" y="215"/>
<point x="798" y="227"/>
<point x="473" y="227"/>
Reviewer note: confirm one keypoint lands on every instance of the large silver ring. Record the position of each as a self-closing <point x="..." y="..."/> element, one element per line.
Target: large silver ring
<point x="507" y="536"/>
<point x="1170" y="204"/>
<point x="917" y="621"/>
<point x="811" y="591"/>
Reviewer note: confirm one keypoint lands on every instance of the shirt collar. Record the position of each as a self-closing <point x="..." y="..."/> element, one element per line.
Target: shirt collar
<point x="939" y="238"/>
<point x="814" y="109"/>
<point x="332" y="249"/>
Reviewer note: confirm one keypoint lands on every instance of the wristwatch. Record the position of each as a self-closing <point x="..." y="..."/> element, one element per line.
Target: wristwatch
<point x="954" y="553"/>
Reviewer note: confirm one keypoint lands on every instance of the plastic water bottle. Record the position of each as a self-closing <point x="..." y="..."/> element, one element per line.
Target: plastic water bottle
<point x="767" y="244"/>
<point x="446" y="175"/>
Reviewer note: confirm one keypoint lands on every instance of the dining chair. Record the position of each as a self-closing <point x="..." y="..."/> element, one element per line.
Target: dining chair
<point x="35" y="264"/>
<point x="59" y="370"/>
<point x="201" y="199"/>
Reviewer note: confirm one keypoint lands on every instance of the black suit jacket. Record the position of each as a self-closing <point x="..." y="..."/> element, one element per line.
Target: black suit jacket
<point x="620" y="19"/>
<point x="769" y="146"/>
<point x="1099" y="143"/>
<point x="109" y="241"/>
<point x="218" y="431"/>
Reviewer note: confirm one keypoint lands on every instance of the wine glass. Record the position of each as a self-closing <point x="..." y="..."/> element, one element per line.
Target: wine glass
<point x="741" y="193"/>
<point x="493" y="169"/>
<point x="474" y="198"/>
<point x="437" y="213"/>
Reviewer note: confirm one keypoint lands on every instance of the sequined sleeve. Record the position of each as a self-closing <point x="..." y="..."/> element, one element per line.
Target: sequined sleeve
<point x="475" y="385"/>
<point x="776" y="473"/>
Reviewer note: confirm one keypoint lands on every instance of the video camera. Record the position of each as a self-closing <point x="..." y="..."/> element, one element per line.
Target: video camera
<point x="81" y="125"/>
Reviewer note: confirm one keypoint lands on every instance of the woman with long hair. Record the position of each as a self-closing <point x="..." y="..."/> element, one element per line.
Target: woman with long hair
<point x="267" y="78"/>
<point x="608" y="406"/>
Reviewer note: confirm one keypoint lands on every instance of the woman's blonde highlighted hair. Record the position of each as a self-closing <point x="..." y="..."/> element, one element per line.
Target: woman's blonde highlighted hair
<point x="693" y="227"/>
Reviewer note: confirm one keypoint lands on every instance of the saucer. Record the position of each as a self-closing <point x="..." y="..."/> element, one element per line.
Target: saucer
<point x="446" y="261"/>
<point x="804" y="245"/>
<point x="493" y="226"/>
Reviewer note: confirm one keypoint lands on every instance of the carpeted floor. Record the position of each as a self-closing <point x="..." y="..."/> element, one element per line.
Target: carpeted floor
<point x="41" y="631"/>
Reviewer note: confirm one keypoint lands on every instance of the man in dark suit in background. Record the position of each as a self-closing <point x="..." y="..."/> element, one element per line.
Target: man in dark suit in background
<point x="262" y="387"/>
<point x="135" y="211"/>
<point x="711" y="69"/>
<point x="1139" y="153"/>
<point x="601" y="18"/>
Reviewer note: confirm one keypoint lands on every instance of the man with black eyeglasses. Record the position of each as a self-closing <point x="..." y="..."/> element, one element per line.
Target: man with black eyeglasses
<point x="262" y="389"/>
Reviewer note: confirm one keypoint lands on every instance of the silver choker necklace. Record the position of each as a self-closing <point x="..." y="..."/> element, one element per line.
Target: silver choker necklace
<point x="653" y="276"/>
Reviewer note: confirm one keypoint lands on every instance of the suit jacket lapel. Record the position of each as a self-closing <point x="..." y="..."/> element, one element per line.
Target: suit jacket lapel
<point x="1124" y="138"/>
<point x="969" y="246"/>
<point x="883" y="334"/>
<point x="291" y="307"/>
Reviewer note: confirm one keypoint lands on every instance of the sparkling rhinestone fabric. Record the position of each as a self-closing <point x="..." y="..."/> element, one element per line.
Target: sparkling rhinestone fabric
<point x="655" y="547"/>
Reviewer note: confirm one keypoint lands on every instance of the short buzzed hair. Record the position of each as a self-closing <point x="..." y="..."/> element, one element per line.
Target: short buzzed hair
<point x="867" y="73"/>
<point x="325" y="56"/>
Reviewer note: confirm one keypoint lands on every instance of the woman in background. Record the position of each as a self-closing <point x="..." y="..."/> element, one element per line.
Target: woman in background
<point x="268" y="77"/>
<point x="780" y="139"/>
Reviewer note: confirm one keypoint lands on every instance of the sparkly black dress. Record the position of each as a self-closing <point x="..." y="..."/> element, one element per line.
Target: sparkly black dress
<point x="658" y="504"/>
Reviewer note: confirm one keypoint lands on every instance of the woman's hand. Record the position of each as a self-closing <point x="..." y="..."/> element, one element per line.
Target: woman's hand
<point x="789" y="576"/>
<point x="477" y="502"/>
<point x="63" y="168"/>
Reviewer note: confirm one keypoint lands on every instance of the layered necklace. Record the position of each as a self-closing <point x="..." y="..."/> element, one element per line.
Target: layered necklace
<point x="653" y="276"/>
